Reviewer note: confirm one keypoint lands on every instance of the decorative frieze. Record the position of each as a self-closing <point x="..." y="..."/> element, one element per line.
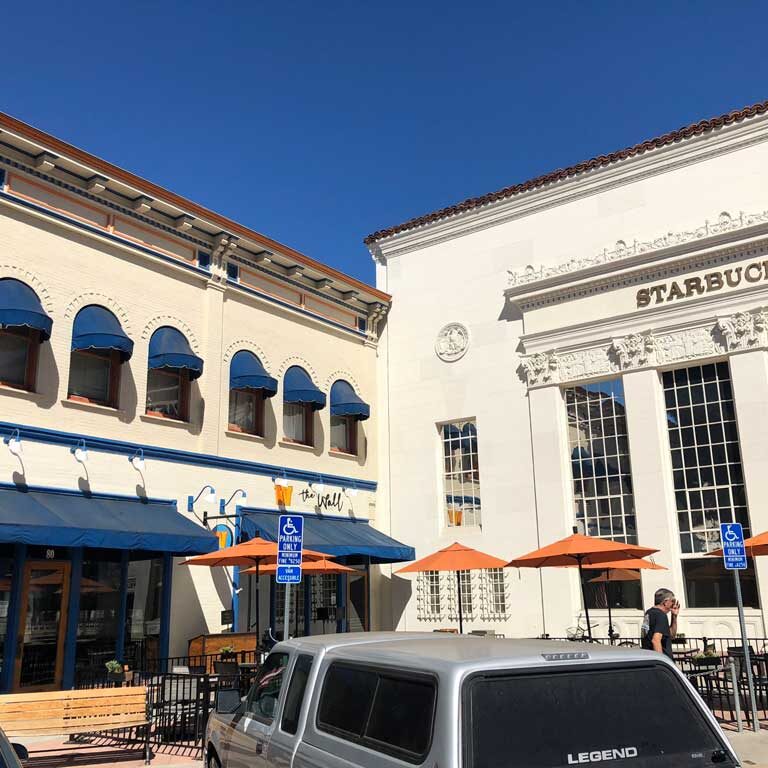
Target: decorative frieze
<point x="650" y="349"/>
<point x="724" y="223"/>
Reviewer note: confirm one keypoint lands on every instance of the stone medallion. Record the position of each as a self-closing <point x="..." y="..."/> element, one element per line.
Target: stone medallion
<point x="452" y="342"/>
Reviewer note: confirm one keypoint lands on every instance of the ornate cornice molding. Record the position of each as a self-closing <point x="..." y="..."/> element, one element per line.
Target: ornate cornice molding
<point x="725" y="223"/>
<point x="739" y="332"/>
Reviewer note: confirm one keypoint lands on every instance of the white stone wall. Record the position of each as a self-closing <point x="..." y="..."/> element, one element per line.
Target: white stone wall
<point x="572" y="257"/>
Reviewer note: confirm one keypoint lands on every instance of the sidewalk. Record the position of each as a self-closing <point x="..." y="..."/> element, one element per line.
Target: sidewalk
<point x="751" y="747"/>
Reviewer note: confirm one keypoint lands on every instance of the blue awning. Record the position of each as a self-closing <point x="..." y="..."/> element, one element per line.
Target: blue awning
<point x="247" y="372"/>
<point x="169" y="348"/>
<point x="345" y="401"/>
<point x="20" y="307"/>
<point x="97" y="328"/>
<point x="70" y="519"/>
<point x="298" y="387"/>
<point x="335" y="536"/>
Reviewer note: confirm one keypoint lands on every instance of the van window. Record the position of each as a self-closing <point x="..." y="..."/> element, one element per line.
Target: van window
<point x="295" y="697"/>
<point x="639" y="716"/>
<point x="265" y="692"/>
<point x="390" y="712"/>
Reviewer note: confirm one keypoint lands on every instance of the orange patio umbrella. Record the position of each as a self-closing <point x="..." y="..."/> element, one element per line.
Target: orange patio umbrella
<point x="755" y="546"/>
<point x="619" y="570"/>
<point x="457" y="558"/>
<point x="580" y="550"/>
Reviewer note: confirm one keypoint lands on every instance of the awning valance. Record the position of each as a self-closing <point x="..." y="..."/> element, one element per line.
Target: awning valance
<point x="346" y="402"/>
<point x="66" y="519"/>
<point x="97" y="328"/>
<point x="20" y="307"/>
<point x="298" y="387"/>
<point x="338" y="537"/>
<point x="247" y="372"/>
<point x="169" y="348"/>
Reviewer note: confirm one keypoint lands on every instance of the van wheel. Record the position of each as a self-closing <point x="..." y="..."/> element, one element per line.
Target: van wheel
<point x="212" y="761"/>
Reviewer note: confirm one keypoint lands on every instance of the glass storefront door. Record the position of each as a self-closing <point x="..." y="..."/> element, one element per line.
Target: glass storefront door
<point x="357" y="602"/>
<point x="42" y="624"/>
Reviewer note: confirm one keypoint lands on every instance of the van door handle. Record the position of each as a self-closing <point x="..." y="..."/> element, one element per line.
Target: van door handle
<point x="259" y="747"/>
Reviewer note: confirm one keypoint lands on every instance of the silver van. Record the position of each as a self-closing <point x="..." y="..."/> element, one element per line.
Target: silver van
<point x="392" y="700"/>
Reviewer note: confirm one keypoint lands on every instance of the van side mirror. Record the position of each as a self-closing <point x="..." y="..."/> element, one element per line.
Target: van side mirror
<point x="21" y="751"/>
<point x="227" y="701"/>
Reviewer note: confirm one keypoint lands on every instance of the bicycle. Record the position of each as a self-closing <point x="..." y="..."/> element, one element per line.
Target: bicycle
<point x="579" y="633"/>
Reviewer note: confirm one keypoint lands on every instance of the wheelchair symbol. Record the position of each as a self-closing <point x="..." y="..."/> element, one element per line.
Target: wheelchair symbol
<point x="289" y="529"/>
<point x="731" y="535"/>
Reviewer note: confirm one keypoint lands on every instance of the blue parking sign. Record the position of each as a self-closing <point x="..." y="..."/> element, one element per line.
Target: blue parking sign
<point x="290" y="540"/>
<point x="734" y="551"/>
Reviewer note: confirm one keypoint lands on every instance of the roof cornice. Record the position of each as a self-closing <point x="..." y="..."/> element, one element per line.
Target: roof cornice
<point x="694" y="143"/>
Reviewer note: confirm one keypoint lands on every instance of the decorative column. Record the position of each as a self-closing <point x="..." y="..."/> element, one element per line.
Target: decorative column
<point x="749" y="376"/>
<point x="653" y="490"/>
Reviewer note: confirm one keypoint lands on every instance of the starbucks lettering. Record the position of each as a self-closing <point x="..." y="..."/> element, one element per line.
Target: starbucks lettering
<point x="697" y="286"/>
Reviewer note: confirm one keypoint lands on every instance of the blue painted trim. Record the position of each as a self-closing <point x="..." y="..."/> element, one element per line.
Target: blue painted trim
<point x="2" y="177"/>
<point x="101" y="233"/>
<point x="14" y="609"/>
<point x="55" y="437"/>
<point x="70" y="639"/>
<point x="204" y="260"/>
<point x="91" y="495"/>
<point x="313" y="515"/>
<point x="236" y="579"/>
<point x="165" y="614"/>
<point x="307" y="606"/>
<point x="233" y="272"/>
<point x="122" y="613"/>
<point x="169" y="259"/>
<point x="272" y="605"/>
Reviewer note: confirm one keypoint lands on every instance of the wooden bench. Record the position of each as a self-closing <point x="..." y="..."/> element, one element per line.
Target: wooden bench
<point x="67" y="713"/>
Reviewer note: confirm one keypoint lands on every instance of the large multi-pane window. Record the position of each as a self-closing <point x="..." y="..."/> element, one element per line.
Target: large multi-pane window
<point x="324" y="597"/>
<point x="461" y="474"/>
<point x="599" y="451"/>
<point x="428" y="591"/>
<point x="708" y="477"/>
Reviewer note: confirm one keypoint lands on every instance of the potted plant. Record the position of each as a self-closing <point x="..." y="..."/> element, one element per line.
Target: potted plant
<point x="706" y="658"/>
<point x="115" y="671"/>
<point x="227" y="652"/>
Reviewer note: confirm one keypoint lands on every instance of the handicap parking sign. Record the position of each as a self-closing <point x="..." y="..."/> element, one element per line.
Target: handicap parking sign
<point x="734" y="551"/>
<point x="290" y="538"/>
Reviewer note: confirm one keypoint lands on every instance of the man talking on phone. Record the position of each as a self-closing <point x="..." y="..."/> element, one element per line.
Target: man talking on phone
<point x="658" y="630"/>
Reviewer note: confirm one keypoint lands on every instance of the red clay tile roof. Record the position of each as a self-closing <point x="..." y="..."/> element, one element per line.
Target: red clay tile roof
<point x="703" y="126"/>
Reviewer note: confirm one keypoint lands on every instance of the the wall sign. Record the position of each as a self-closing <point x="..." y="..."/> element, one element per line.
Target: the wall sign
<point x="755" y="272"/>
<point x="323" y="502"/>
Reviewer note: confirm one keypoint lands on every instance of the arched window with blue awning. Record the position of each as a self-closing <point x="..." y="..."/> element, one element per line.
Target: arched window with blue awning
<point x="97" y="329"/>
<point x="24" y="325"/>
<point x="301" y="398"/>
<point x="20" y="307"/>
<point x="172" y="366"/>
<point x="99" y="347"/>
<point x="249" y="385"/>
<point x="346" y="402"/>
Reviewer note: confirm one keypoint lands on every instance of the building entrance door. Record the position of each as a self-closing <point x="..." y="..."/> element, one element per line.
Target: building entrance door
<point x="357" y="602"/>
<point x="42" y="626"/>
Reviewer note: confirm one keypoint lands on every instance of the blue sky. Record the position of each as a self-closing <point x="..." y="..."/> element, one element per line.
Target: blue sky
<point x="318" y="123"/>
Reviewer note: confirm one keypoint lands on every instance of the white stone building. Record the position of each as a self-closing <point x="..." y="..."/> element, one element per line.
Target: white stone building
<point x="585" y="349"/>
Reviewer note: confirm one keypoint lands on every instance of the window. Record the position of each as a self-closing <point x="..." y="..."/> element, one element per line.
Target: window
<point x="246" y="411"/>
<point x="18" y="357"/>
<point x="706" y="469"/>
<point x="621" y="594"/>
<point x="600" y="468"/>
<point x="467" y="602"/>
<point x="344" y="434"/>
<point x="324" y="597"/>
<point x="709" y="585"/>
<point x="295" y="696"/>
<point x="428" y="595"/>
<point x="495" y="592"/>
<point x="94" y="377"/>
<point x="600" y="710"/>
<point x="168" y="394"/>
<point x="461" y="474"/>
<point x="265" y="692"/>
<point x="297" y="423"/>
<point x="390" y="712"/>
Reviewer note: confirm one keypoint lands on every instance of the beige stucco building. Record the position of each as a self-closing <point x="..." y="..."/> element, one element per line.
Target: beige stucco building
<point x="586" y="349"/>
<point x="150" y="351"/>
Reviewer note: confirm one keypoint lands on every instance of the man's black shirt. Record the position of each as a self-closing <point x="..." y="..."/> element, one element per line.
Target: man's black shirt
<point x="657" y="621"/>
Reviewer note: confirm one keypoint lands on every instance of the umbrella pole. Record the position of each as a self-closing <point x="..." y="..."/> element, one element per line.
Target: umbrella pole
<point x="584" y="598"/>
<point x="458" y="592"/>
<point x="250" y="600"/>
<point x="258" y="599"/>
<point x="608" y="600"/>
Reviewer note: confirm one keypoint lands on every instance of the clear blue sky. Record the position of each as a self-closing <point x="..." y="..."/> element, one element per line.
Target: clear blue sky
<point x="318" y="123"/>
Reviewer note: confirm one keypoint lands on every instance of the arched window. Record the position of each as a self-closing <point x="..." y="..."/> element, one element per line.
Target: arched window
<point x="172" y="367"/>
<point x="301" y="398"/>
<point x="24" y="325"/>
<point x="99" y="348"/>
<point x="347" y="409"/>
<point x="249" y="384"/>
